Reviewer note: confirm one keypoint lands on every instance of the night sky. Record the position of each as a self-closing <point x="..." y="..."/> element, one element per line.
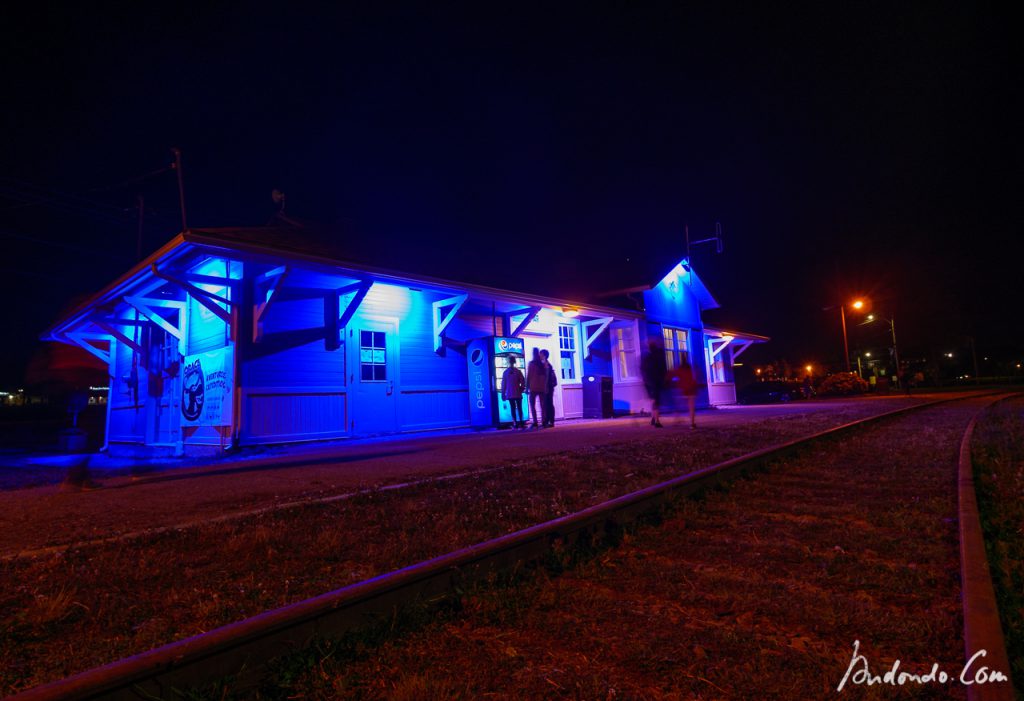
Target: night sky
<point x="870" y="151"/>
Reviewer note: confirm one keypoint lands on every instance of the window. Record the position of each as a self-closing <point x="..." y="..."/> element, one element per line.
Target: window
<point x="675" y="346"/>
<point x="567" y="347"/>
<point x="624" y="348"/>
<point x="373" y="366"/>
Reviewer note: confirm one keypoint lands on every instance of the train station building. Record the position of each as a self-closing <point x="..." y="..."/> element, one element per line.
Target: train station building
<point x="229" y="337"/>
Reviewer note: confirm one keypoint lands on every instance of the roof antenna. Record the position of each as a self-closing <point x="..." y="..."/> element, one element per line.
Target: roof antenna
<point x="716" y="239"/>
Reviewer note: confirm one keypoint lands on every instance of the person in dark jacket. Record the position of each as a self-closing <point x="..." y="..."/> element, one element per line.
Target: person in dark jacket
<point x="653" y="372"/>
<point x="549" y="396"/>
<point x="512" y="385"/>
<point x="536" y="384"/>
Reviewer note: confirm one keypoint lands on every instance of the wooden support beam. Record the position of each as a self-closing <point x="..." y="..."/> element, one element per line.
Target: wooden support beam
<point x="530" y="313"/>
<point x="736" y="351"/>
<point x="209" y="300"/>
<point x="332" y="314"/>
<point x="453" y="304"/>
<point x="361" y="290"/>
<point x="598" y="326"/>
<point x="116" y="333"/>
<point x="117" y="321"/>
<point x="147" y="306"/>
<point x="84" y="339"/>
<point x="198" y="279"/>
<point x="719" y="344"/>
<point x="273" y="283"/>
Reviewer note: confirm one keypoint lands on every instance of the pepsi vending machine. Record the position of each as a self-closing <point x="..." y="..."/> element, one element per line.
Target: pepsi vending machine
<point x="487" y="360"/>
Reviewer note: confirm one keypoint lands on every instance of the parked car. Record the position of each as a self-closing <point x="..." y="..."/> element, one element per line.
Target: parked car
<point x="770" y="392"/>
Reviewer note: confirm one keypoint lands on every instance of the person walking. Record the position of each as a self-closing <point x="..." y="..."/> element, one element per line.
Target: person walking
<point x="512" y="385"/>
<point x="536" y="384"/>
<point x="653" y="372"/>
<point x="549" y="395"/>
<point x="688" y="387"/>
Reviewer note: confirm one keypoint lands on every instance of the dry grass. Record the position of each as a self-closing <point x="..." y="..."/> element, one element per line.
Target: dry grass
<point x="131" y="596"/>
<point x="757" y="592"/>
<point x="998" y="453"/>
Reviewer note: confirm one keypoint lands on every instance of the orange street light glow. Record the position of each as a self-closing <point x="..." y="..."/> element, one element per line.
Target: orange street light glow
<point x="858" y="304"/>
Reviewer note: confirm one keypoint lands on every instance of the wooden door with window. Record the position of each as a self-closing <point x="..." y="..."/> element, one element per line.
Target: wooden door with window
<point x="373" y="378"/>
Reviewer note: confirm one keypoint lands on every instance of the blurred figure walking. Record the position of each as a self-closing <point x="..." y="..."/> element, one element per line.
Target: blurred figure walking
<point x="653" y="372"/>
<point x="688" y="387"/>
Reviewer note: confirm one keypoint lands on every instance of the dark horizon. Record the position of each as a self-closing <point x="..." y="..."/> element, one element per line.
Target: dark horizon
<point x="845" y="153"/>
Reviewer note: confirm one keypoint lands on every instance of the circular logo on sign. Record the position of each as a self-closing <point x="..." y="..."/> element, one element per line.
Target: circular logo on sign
<point x="503" y="344"/>
<point x="476" y="357"/>
<point x="193" y="391"/>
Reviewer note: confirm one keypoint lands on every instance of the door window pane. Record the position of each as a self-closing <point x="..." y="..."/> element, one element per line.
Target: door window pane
<point x="373" y="356"/>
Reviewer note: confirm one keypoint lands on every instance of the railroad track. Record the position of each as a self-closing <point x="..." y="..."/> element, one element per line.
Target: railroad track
<point x="242" y="649"/>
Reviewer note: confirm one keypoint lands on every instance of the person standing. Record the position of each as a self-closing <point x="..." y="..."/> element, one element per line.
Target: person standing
<point x="653" y="372"/>
<point x="536" y="384"/>
<point x="549" y="395"/>
<point x="512" y="385"/>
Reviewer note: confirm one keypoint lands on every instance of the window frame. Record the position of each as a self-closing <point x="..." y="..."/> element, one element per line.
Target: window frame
<point x="623" y="356"/>
<point x="673" y="351"/>
<point x="574" y="338"/>
<point x="373" y="363"/>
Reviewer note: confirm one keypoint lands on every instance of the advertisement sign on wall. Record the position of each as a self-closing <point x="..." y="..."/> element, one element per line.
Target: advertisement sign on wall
<point x="207" y="388"/>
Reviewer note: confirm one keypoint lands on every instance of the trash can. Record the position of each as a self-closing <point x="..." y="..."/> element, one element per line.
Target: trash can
<point x="597" y="397"/>
<point x="72" y="440"/>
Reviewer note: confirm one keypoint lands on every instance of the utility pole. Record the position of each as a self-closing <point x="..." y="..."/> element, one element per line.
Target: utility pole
<point x="895" y="351"/>
<point x="974" y="355"/>
<point x="181" y="186"/>
<point x="846" y="346"/>
<point x="141" y="206"/>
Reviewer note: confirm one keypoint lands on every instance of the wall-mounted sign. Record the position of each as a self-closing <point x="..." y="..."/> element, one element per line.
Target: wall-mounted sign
<point x="508" y="345"/>
<point x="207" y="388"/>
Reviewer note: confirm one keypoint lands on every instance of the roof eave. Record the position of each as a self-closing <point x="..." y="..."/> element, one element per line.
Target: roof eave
<point x="139" y="269"/>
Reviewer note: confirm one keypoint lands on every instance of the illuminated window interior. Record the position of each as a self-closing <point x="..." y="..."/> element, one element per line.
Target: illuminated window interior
<point x="675" y="346"/>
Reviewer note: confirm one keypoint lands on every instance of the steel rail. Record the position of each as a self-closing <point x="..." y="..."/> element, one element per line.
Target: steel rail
<point x="242" y="648"/>
<point x="982" y="629"/>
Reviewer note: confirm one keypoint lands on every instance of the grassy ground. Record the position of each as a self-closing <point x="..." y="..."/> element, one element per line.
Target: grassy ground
<point x="998" y="453"/>
<point x="87" y="606"/>
<point x="758" y="592"/>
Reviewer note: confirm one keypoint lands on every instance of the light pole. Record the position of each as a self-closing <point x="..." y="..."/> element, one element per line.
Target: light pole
<point x="857" y="304"/>
<point x="892" y="330"/>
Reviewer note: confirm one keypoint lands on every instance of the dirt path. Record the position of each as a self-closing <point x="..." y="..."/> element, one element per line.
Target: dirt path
<point x="40" y="517"/>
<point x="756" y="592"/>
<point x="89" y="605"/>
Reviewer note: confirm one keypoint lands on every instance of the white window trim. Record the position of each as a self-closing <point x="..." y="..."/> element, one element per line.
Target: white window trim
<point x="632" y="328"/>
<point x="577" y="350"/>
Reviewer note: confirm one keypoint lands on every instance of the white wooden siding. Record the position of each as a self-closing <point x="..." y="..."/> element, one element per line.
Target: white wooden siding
<point x="275" y="415"/>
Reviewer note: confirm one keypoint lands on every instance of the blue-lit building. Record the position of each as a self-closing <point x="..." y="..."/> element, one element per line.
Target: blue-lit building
<point x="248" y="336"/>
